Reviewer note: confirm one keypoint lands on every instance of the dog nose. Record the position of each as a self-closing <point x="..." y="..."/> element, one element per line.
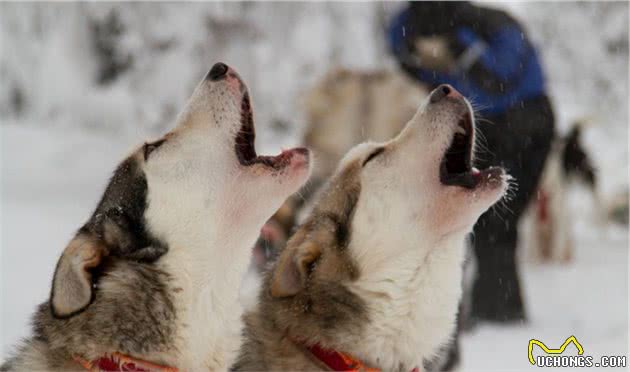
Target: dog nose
<point x="444" y="90"/>
<point x="217" y="71"/>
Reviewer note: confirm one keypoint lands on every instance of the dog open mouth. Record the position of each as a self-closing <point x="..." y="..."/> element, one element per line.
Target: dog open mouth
<point x="456" y="168"/>
<point x="244" y="142"/>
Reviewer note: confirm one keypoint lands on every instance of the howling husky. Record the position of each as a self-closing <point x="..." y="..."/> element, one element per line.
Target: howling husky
<point x="151" y="280"/>
<point x="372" y="278"/>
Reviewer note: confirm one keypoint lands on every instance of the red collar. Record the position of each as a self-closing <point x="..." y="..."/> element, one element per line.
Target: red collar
<point x="337" y="361"/>
<point x="117" y="362"/>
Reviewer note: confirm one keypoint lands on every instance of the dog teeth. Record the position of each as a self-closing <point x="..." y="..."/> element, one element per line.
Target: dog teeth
<point x="460" y="130"/>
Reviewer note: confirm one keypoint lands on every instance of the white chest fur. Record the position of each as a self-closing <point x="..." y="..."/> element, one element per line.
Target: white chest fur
<point x="412" y="307"/>
<point x="206" y="289"/>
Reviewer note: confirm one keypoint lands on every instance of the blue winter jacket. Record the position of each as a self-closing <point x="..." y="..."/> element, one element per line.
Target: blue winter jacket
<point x="512" y="71"/>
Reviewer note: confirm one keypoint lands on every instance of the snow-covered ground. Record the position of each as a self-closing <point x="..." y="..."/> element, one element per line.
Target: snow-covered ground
<point x="57" y="154"/>
<point x="587" y="299"/>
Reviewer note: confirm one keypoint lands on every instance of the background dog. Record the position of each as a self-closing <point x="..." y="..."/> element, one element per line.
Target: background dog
<point x="374" y="273"/>
<point x="548" y="221"/>
<point x="343" y="110"/>
<point x="154" y="273"/>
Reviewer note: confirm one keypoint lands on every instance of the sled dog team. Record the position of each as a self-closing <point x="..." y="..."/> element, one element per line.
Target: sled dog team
<point x="371" y="279"/>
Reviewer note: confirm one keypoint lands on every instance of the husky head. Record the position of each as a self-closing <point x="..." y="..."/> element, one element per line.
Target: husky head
<point x="196" y="196"/>
<point x="385" y="238"/>
<point x="420" y="186"/>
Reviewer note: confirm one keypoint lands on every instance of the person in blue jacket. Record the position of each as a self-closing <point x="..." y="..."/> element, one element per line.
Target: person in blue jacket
<point x="485" y="54"/>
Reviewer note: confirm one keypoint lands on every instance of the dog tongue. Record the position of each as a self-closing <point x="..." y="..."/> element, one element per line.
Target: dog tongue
<point x="475" y="171"/>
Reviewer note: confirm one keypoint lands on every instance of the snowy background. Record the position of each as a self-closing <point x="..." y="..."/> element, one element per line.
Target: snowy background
<point x="80" y="83"/>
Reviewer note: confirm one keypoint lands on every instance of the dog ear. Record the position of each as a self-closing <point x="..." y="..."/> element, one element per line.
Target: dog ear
<point x="294" y="266"/>
<point x="72" y="283"/>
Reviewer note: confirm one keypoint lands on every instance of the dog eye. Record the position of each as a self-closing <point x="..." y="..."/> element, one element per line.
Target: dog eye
<point x="150" y="147"/>
<point x="374" y="154"/>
